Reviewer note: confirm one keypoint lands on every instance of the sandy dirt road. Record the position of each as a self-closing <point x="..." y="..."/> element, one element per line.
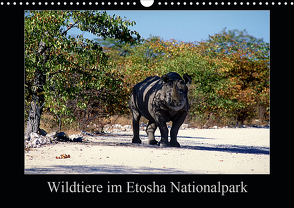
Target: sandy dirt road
<point x="202" y="151"/>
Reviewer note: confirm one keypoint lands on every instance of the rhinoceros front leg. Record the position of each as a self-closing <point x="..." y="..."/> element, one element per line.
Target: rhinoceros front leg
<point x="177" y="122"/>
<point x="164" y="137"/>
<point x="161" y="123"/>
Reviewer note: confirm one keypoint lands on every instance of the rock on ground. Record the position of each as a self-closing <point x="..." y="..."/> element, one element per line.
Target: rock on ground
<point x="36" y="140"/>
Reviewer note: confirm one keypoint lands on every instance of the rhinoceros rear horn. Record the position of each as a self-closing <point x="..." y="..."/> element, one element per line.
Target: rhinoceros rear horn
<point x="187" y="79"/>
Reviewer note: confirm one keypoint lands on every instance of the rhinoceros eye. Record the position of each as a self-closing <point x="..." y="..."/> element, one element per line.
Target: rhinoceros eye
<point x="182" y="82"/>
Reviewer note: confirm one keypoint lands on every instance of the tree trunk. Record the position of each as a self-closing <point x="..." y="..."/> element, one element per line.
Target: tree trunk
<point x="37" y="103"/>
<point x="33" y="122"/>
<point x="37" y="90"/>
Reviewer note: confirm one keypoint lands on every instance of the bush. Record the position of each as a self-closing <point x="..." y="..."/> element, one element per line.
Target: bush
<point x="230" y="73"/>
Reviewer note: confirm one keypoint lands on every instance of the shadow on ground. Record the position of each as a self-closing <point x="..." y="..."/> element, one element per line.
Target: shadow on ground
<point x="231" y="149"/>
<point x="192" y="145"/>
<point x="103" y="169"/>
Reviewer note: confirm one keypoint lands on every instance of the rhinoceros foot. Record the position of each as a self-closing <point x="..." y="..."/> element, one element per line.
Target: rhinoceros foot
<point x="163" y="144"/>
<point x="136" y="140"/>
<point x="175" y="144"/>
<point x="153" y="142"/>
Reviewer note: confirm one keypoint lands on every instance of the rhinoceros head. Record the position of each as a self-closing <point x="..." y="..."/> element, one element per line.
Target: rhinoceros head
<point x="175" y="90"/>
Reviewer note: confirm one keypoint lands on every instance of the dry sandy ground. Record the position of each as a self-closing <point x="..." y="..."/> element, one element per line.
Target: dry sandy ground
<point x="203" y="151"/>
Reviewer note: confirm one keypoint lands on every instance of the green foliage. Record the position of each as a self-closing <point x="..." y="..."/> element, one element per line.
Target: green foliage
<point x="60" y="68"/>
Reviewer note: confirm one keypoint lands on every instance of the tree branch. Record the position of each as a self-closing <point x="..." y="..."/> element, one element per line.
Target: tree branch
<point x="69" y="27"/>
<point x="51" y="74"/>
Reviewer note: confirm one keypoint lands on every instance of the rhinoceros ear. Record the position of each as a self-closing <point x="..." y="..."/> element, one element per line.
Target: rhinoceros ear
<point x="165" y="78"/>
<point x="187" y="79"/>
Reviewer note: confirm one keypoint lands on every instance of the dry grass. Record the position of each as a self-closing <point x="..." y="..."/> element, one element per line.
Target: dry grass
<point x="122" y="120"/>
<point x="48" y="124"/>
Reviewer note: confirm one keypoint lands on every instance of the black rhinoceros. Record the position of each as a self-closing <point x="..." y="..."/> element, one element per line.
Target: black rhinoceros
<point x="160" y="100"/>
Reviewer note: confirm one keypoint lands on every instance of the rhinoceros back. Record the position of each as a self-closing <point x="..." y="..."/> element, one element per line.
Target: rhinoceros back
<point x="144" y="91"/>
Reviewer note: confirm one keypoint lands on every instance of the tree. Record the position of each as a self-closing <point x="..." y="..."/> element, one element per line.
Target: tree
<point x="60" y="68"/>
<point x="244" y="74"/>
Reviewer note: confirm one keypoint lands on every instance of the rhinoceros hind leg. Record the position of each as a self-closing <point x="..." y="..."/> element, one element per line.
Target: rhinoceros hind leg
<point x="136" y="120"/>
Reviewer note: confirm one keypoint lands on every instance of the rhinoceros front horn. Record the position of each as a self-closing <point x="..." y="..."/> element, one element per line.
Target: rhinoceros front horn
<point x="175" y="94"/>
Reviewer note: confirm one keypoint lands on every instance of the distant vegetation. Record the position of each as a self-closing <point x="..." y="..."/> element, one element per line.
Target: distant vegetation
<point x="89" y="80"/>
<point x="230" y="74"/>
